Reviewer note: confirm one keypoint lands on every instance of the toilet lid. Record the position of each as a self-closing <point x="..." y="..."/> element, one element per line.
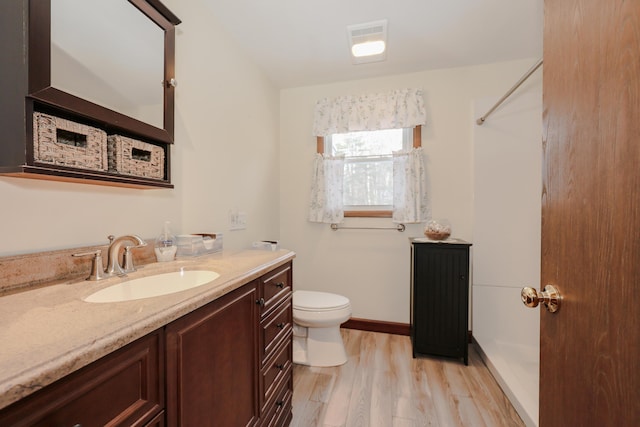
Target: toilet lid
<point x="318" y="301"/>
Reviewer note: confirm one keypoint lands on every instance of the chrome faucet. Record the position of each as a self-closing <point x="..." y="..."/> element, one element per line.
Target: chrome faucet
<point x="114" y="268"/>
<point x="113" y="265"/>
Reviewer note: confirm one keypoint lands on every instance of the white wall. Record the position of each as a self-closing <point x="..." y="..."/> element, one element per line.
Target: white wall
<point x="507" y="233"/>
<point x="225" y="157"/>
<point x="372" y="267"/>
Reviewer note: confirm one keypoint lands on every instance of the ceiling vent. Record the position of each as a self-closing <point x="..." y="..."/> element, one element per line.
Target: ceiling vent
<point x="368" y="41"/>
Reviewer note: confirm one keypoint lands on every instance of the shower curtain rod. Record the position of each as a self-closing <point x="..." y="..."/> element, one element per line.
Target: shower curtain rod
<point x="481" y="120"/>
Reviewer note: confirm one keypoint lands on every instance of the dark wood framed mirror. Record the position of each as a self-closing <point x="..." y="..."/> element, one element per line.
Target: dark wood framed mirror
<point x="45" y="125"/>
<point x="41" y="90"/>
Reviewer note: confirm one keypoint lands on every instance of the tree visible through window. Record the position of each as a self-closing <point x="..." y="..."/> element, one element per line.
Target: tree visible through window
<point x="368" y="169"/>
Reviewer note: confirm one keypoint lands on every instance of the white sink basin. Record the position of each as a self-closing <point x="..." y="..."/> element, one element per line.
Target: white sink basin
<point x="153" y="286"/>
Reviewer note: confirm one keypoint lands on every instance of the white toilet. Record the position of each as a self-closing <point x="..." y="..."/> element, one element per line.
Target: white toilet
<point x="316" y="328"/>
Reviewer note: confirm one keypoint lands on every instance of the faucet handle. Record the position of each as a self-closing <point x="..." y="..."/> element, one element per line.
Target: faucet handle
<point x="97" y="271"/>
<point x="127" y="257"/>
<point x="127" y="260"/>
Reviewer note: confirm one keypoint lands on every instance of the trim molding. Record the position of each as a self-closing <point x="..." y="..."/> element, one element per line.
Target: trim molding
<point x="377" y="326"/>
<point x="384" y="327"/>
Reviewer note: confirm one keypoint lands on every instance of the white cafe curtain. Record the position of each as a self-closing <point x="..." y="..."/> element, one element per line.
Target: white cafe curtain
<point x="326" y="190"/>
<point x="410" y="201"/>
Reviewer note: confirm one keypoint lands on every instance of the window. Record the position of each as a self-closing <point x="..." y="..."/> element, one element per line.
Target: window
<point x="368" y="167"/>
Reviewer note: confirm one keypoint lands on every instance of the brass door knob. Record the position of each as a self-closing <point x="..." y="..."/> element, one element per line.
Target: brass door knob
<point x="549" y="296"/>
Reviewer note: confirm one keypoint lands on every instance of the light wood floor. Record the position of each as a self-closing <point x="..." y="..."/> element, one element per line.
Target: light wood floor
<point x="381" y="385"/>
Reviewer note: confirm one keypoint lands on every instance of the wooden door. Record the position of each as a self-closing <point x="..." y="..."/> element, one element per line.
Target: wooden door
<point x="590" y="349"/>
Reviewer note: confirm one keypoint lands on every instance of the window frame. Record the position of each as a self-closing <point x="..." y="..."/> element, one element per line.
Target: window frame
<point x="417" y="142"/>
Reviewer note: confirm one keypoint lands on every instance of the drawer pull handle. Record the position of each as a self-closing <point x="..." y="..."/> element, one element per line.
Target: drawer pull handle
<point x="280" y="366"/>
<point x="279" y="285"/>
<point x="260" y="302"/>
<point x="280" y="325"/>
<point x="280" y="403"/>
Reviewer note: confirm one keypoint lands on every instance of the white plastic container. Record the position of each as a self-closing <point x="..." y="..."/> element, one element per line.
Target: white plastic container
<point x="165" y="246"/>
<point x="198" y="244"/>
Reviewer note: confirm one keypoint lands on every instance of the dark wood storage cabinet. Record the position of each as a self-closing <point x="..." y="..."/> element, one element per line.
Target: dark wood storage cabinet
<point x="226" y="364"/>
<point x="440" y="298"/>
<point x="229" y="363"/>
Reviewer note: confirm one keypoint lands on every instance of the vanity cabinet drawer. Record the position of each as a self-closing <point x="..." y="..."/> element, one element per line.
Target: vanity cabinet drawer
<point x="283" y="414"/>
<point x="275" y="328"/>
<point x="279" y="413"/>
<point x="276" y="347"/>
<point x="274" y="287"/>
<point x="158" y="421"/>
<point x="125" y="388"/>
<point x="274" y="373"/>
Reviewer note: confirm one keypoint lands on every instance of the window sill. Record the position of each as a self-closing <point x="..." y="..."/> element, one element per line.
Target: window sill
<point x="368" y="214"/>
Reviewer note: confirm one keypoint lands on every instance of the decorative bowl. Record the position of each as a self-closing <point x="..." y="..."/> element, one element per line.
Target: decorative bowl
<point x="439" y="229"/>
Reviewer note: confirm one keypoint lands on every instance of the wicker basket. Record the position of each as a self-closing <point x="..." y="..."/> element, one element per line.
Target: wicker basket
<point x="128" y="156"/>
<point x="62" y="142"/>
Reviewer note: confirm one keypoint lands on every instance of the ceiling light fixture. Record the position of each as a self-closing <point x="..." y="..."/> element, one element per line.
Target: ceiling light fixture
<point x="368" y="48"/>
<point x="368" y="41"/>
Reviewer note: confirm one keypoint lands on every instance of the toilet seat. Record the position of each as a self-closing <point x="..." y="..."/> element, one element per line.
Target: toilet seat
<point x="318" y="301"/>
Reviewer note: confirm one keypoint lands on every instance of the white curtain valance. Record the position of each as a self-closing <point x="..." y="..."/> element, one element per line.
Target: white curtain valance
<point x="400" y="108"/>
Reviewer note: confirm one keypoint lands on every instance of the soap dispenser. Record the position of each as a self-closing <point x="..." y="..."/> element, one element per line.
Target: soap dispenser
<point x="165" y="246"/>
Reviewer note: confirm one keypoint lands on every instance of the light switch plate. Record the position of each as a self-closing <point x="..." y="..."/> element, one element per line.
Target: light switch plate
<point x="237" y="220"/>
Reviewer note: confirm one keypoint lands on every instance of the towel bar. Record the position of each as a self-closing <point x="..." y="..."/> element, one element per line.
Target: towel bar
<point x="399" y="227"/>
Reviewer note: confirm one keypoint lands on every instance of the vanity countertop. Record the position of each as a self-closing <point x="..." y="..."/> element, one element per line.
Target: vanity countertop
<point x="50" y="332"/>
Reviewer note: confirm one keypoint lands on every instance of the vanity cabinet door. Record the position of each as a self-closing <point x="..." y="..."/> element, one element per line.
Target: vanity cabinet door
<point x="212" y="363"/>
<point x="125" y="388"/>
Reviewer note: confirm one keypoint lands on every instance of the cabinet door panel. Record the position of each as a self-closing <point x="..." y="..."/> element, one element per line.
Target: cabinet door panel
<point x="440" y="299"/>
<point x="122" y="389"/>
<point x="212" y="363"/>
